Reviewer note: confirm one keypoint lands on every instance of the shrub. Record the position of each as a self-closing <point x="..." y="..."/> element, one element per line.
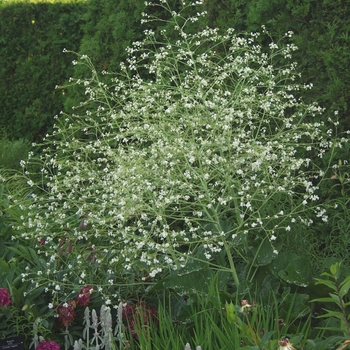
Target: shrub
<point x="196" y="148"/>
<point x="33" y="63"/>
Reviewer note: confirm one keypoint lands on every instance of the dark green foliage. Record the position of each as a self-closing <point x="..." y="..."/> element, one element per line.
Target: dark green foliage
<point x="12" y="152"/>
<point x="226" y="14"/>
<point x="110" y="27"/>
<point x="32" y="38"/>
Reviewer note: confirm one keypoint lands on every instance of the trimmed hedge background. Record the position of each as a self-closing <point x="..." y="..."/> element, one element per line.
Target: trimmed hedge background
<point x="32" y="37"/>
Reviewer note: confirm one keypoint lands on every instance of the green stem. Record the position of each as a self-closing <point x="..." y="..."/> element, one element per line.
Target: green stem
<point x="252" y="333"/>
<point x="342" y="307"/>
<point x="232" y="265"/>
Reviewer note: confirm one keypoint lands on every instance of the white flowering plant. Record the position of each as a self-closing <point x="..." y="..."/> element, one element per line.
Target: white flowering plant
<point x="197" y="147"/>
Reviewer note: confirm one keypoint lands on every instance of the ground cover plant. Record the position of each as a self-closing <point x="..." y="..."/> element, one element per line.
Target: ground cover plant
<point x="181" y="185"/>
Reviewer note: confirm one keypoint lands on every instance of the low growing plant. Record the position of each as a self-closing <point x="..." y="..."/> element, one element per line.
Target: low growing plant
<point x="199" y="320"/>
<point x="19" y="314"/>
<point x="337" y="298"/>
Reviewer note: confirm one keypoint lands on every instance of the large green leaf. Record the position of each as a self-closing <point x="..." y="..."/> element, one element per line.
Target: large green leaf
<point x="262" y="254"/>
<point x="293" y="269"/>
<point x="295" y="306"/>
<point x="4" y="267"/>
<point x="191" y="283"/>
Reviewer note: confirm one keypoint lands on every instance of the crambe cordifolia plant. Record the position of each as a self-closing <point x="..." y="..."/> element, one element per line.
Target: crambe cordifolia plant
<point x="197" y="146"/>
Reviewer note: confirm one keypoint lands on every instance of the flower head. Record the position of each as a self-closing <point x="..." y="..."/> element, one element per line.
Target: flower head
<point x="66" y="313"/>
<point x="246" y="307"/>
<point x="285" y="344"/>
<point x="47" y="345"/>
<point x="5" y="298"/>
<point x="83" y="298"/>
<point x="165" y="157"/>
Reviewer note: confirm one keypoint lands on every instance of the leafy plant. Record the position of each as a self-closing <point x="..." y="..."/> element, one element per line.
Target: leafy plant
<point x="100" y="330"/>
<point x="12" y="152"/>
<point x="197" y="149"/>
<point x="22" y="316"/>
<point x="24" y="311"/>
<point x="336" y="298"/>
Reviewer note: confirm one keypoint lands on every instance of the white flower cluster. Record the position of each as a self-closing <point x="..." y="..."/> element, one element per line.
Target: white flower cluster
<point x="197" y="144"/>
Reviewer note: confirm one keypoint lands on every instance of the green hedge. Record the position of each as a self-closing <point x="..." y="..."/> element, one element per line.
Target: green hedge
<point x="32" y="37"/>
<point x="111" y="26"/>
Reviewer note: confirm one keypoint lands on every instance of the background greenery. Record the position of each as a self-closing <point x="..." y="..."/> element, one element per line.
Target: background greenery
<point x="32" y="37"/>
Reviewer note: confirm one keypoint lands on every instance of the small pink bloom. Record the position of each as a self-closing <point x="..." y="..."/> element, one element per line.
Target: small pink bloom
<point x="47" y="345"/>
<point x="83" y="298"/>
<point x="41" y="241"/>
<point x="5" y="298"/>
<point x="66" y="313"/>
<point x="246" y="307"/>
<point x="285" y="344"/>
<point x="245" y="302"/>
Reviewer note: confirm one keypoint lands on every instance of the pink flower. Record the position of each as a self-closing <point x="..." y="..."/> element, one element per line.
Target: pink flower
<point x="66" y="313"/>
<point x="5" y="298"/>
<point x="41" y="241"/>
<point x="246" y="307"/>
<point x="48" y="345"/>
<point x="83" y="298"/>
<point x="285" y="344"/>
<point x="139" y="315"/>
